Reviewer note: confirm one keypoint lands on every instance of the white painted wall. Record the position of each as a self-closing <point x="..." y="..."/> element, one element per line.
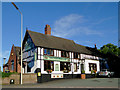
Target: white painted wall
<point x="84" y="56"/>
<point x="86" y="65"/>
<point x="55" y="53"/>
<point x="34" y="67"/>
<point x="38" y="50"/>
<point x="59" y="53"/>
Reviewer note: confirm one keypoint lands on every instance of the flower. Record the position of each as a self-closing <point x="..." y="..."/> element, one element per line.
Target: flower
<point x="49" y="71"/>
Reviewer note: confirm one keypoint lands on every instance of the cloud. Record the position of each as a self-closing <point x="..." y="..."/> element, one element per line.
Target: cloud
<point x="102" y="20"/>
<point x="72" y="25"/>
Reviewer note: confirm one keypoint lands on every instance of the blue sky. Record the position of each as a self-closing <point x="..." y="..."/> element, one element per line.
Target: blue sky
<point x="85" y="23"/>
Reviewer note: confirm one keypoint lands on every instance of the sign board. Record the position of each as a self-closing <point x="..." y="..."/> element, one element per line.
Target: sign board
<point x="45" y="57"/>
<point x="89" y="57"/>
<point x="56" y="75"/>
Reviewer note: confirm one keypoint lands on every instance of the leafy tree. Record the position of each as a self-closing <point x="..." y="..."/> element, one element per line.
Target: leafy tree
<point x="110" y="48"/>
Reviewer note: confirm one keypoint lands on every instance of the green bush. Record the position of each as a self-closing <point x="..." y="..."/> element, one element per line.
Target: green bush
<point x="83" y="71"/>
<point x="92" y="72"/>
<point x="7" y="74"/>
<point x="0" y="74"/>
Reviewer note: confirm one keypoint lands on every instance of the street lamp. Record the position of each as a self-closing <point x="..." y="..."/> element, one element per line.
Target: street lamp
<point x="21" y="36"/>
<point x="4" y="60"/>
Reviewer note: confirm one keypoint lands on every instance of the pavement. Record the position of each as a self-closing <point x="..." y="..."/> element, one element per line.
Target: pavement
<point x="72" y="83"/>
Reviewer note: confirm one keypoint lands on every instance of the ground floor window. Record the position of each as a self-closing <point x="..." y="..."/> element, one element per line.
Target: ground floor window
<point x="65" y="66"/>
<point x="82" y="67"/>
<point x="48" y="65"/>
<point x="30" y="65"/>
<point x="92" y="66"/>
<point x="75" y="67"/>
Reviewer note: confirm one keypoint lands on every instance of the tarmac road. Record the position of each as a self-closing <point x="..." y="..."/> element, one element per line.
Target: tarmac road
<point x="72" y="83"/>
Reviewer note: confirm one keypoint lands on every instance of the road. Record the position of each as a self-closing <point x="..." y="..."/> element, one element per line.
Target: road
<point x="72" y="83"/>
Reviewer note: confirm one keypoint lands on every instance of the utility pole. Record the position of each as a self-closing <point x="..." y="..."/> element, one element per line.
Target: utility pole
<point x="21" y="35"/>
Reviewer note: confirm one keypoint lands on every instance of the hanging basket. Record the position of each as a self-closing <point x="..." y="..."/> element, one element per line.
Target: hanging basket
<point x="49" y="71"/>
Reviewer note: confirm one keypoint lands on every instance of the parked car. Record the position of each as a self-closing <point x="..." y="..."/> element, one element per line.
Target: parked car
<point x="105" y="72"/>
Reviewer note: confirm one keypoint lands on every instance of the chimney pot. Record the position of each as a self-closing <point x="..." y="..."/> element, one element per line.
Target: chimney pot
<point x="95" y="46"/>
<point x="47" y="30"/>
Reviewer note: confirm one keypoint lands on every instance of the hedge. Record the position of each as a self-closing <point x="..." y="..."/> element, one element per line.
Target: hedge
<point x="7" y="74"/>
<point x="0" y="74"/>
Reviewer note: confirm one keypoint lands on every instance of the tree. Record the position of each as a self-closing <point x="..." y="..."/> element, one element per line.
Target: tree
<point x="110" y="48"/>
<point x="112" y="55"/>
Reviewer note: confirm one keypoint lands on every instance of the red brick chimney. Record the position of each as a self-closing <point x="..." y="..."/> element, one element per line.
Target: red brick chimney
<point x="48" y="29"/>
<point x="95" y="46"/>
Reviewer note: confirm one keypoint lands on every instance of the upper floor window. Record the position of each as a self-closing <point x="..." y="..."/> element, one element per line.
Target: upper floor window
<point x="75" y="55"/>
<point x="64" y="54"/>
<point x="12" y="65"/>
<point x="48" y="52"/>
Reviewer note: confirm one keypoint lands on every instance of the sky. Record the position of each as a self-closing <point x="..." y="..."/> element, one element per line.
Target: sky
<point x="86" y="23"/>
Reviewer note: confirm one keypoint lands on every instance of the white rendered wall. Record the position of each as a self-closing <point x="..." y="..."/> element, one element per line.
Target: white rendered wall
<point x="59" y="53"/>
<point x="86" y="65"/>
<point x="55" y="53"/>
<point x="34" y="67"/>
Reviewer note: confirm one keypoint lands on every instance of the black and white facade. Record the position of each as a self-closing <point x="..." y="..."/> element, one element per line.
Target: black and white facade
<point x="56" y="62"/>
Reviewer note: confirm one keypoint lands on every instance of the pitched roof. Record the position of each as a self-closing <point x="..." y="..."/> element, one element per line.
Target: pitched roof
<point x="49" y="41"/>
<point x="17" y="50"/>
<point x="83" y="49"/>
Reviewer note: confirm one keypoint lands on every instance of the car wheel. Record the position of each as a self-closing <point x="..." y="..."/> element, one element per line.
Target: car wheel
<point x="108" y="75"/>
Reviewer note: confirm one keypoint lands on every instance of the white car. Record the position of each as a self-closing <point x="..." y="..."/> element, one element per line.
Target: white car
<point x="105" y="72"/>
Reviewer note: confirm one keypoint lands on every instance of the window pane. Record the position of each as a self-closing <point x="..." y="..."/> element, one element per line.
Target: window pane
<point x="64" y="66"/>
<point x="67" y="54"/>
<point x="48" y="51"/>
<point x="51" y="52"/>
<point x="61" y="66"/>
<point x="12" y="65"/>
<point x="62" y="53"/>
<point x="45" y="51"/>
<point x="45" y="65"/>
<point x="75" y="67"/>
<point x="92" y="66"/>
<point x="48" y="65"/>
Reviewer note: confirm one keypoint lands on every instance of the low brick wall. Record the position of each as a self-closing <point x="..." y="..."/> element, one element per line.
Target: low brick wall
<point x="30" y="78"/>
<point x="16" y="77"/>
<point x="27" y="78"/>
